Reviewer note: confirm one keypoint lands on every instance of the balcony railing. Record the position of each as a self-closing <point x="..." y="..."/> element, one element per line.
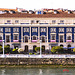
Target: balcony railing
<point x="53" y="41"/>
<point x="1" y="40"/>
<point x="34" y="40"/>
<point x="68" y="40"/>
<point x="15" y="40"/>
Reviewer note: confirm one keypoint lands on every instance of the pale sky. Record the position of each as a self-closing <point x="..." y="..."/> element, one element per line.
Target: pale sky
<point x="38" y="4"/>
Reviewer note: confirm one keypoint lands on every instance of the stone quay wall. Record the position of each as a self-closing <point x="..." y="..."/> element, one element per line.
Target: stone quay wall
<point x="39" y="61"/>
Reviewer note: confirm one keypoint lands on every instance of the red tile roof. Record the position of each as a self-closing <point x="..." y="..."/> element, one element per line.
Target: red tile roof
<point x="26" y="15"/>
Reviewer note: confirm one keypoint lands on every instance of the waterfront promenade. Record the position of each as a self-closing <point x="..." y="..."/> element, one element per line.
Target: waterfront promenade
<point x="37" y="56"/>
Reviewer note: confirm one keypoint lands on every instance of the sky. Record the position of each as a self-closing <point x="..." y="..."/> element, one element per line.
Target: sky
<point x="38" y="4"/>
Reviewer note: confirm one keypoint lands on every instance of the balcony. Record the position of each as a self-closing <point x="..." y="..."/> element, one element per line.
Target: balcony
<point x="1" y="40"/>
<point x="68" y="40"/>
<point x="53" y="41"/>
<point x="15" y="40"/>
<point x="34" y="40"/>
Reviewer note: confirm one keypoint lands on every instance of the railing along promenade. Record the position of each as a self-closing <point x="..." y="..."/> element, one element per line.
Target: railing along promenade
<point x="37" y="56"/>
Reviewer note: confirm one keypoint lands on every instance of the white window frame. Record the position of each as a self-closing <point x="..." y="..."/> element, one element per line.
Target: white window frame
<point x="34" y="29"/>
<point x="51" y="35"/>
<point x="25" y="36"/>
<point x="43" y="29"/>
<point x="15" y="29"/>
<point x="26" y="29"/>
<point x="53" y="29"/>
<point x="35" y="36"/>
<point x="7" y="29"/>
<point x="9" y="37"/>
<point x="59" y="37"/>
<point x="15" y="34"/>
<point x="68" y="29"/>
<point x="61" y="29"/>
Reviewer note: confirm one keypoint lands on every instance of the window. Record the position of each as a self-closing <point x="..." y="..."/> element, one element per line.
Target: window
<point x="7" y="30"/>
<point x="43" y="39"/>
<point x="26" y="38"/>
<point x="53" y="21"/>
<point x="26" y="29"/>
<point x="1" y="29"/>
<point x="8" y="21"/>
<point x="34" y="37"/>
<point x="32" y="21"/>
<point x="0" y="37"/>
<point x="34" y="29"/>
<point x="61" y="29"/>
<point x="53" y="29"/>
<point x="68" y="37"/>
<point x="52" y="36"/>
<point x="69" y="29"/>
<point x="15" y="29"/>
<point x="37" y="21"/>
<point x="61" y="21"/>
<point x="16" y="21"/>
<point x="15" y="36"/>
<point x="7" y="38"/>
<point x="61" y="38"/>
<point x="74" y="29"/>
<point x="43" y="29"/>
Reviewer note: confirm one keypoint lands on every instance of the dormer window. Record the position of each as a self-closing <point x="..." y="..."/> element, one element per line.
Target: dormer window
<point x="53" y="21"/>
<point x="32" y="21"/>
<point x="37" y="21"/>
<point x="16" y="21"/>
<point x="8" y="21"/>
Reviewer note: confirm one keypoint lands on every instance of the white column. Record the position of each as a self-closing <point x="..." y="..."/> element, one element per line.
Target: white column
<point x="40" y="48"/>
<point x="47" y="34"/>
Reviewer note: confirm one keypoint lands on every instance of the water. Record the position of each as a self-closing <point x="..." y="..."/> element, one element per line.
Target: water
<point x="37" y="71"/>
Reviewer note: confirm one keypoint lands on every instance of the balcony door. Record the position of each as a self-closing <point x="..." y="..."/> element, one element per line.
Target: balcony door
<point x="43" y="38"/>
<point x="26" y="38"/>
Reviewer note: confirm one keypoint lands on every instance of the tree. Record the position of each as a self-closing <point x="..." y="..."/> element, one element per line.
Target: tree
<point x="6" y="49"/>
<point x="57" y="49"/>
<point x="15" y="50"/>
<point x="73" y="49"/>
<point x="37" y="49"/>
<point x="1" y="49"/>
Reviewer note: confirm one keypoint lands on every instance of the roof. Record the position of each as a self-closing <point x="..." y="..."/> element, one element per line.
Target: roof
<point x="3" y="9"/>
<point x="49" y="15"/>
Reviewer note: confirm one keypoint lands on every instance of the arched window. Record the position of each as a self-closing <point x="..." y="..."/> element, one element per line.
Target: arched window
<point x="26" y="38"/>
<point x="69" y="38"/>
<point x="34" y="37"/>
<point x="61" y="45"/>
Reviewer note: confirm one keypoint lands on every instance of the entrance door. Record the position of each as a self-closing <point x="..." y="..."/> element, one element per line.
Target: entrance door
<point x="26" y="48"/>
<point x="34" y="48"/>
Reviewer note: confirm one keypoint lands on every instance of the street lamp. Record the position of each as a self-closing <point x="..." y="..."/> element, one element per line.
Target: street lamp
<point x="40" y="48"/>
<point x="49" y="48"/>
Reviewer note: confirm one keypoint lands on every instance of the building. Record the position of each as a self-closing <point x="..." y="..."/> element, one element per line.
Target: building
<point x="24" y="30"/>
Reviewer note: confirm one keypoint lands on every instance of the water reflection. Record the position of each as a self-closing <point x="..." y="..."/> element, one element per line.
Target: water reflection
<point x="36" y="71"/>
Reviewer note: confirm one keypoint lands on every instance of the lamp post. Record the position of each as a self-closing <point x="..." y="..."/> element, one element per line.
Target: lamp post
<point x="49" y="48"/>
<point x="40" y="48"/>
<point x="3" y="48"/>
